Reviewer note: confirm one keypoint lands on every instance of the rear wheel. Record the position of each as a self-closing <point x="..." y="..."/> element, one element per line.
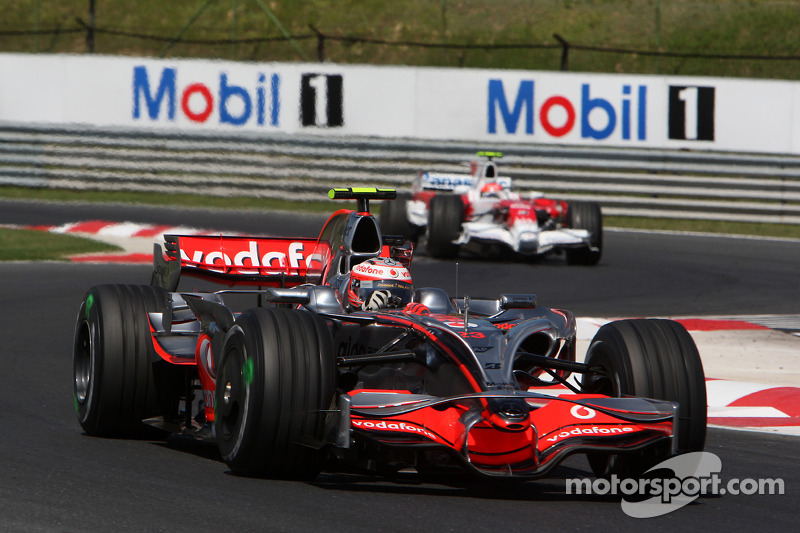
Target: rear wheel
<point x="276" y="379"/>
<point x="586" y="215"/>
<point x="394" y="217"/>
<point x="652" y="359"/>
<point x="114" y="385"/>
<point x="445" y="215"/>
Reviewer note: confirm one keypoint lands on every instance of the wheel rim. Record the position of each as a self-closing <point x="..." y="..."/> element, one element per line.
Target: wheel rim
<point x="608" y="383"/>
<point x="83" y="362"/>
<point x="232" y="406"/>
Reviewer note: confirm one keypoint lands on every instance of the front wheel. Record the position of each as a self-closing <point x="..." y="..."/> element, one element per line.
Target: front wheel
<point x="588" y="216"/>
<point x="276" y="381"/>
<point x="655" y="359"/>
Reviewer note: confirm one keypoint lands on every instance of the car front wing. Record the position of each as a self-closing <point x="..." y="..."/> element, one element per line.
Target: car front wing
<point x="490" y="432"/>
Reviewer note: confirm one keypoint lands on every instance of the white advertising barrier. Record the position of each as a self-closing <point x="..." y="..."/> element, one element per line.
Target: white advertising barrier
<point x="477" y="105"/>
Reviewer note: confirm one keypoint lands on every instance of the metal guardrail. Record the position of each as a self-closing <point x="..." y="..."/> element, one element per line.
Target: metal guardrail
<point x="639" y="182"/>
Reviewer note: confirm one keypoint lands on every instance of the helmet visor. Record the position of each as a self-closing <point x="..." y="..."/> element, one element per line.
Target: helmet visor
<point x="401" y="291"/>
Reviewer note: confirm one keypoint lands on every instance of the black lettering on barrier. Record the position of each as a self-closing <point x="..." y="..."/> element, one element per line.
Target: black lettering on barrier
<point x="691" y="113"/>
<point x="321" y="100"/>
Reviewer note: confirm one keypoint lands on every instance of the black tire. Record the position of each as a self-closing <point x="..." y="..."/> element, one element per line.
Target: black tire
<point x="586" y="215"/>
<point x="649" y="358"/>
<point x="445" y="215"/>
<point x="277" y="377"/>
<point x="394" y="217"/>
<point x="114" y="386"/>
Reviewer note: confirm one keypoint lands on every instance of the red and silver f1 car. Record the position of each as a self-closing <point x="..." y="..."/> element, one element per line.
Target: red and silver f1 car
<point x="317" y="373"/>
<point x="480" y="211"/>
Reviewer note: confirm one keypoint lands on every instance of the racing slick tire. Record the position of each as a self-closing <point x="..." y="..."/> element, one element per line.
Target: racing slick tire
<point x="649" y="358"/>
<point x="394" y="217"/>
<point x="276" y="380"/>
<point x="114" y="362"/>
<point x="586" y="215"/>
<point x="445" y="215"/>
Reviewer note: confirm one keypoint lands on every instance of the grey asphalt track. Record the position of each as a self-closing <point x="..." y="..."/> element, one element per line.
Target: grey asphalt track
<point x="55" y="478"/>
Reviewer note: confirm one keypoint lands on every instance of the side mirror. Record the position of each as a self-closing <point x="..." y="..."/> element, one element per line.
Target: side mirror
<point x="517" y="301"/>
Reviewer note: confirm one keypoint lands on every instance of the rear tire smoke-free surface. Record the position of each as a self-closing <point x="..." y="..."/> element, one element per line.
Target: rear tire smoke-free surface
<point x="649" y="358"/>
<point x="114" y="386"/>
<point x="445" y="215"/>
<point x="276" y="379"/>
<point x="588" y="216"/>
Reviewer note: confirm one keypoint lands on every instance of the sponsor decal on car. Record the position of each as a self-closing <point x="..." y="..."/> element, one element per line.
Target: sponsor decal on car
<point x="448" y="182"/>
<point x="383" y="425"/>
<point x="247" y="256"/>
<point x="349" y="347"/>
<point x="387" y="268"/>
<point x="455" y="323"/>
<point x="593" y="430"/>
<point x="582" y="412"/>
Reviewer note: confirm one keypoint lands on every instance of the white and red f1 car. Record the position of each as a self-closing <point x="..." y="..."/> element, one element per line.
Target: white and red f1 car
<point x="287" y="378"/>
<point x="479" y="210"/>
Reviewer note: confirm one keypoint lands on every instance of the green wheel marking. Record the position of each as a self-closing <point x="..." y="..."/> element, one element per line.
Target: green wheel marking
<point x="89" y="304"/>
<point x="247" y="371"/>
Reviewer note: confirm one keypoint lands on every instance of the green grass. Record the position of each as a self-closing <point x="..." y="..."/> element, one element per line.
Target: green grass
<point x="185" y="200"/>
<point x="33" y="245"/>
<point x="745" y="27"/>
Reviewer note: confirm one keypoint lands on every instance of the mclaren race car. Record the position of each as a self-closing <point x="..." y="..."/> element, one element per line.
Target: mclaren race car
<point x="318" y="353"/>
<point x="480" y="211"/>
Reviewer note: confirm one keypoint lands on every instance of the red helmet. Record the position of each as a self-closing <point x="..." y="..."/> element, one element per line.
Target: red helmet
<point x="379" y="283"/>
<point x="491" y="187"/>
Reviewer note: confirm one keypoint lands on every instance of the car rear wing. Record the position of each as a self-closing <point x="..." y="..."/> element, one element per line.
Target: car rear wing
<point x="363" y="195"/>
<point x="229" y="260"/>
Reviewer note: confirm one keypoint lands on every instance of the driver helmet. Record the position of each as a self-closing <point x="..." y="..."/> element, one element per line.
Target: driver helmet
<point x="379" y="283"/>
<point x="491" y="188"/>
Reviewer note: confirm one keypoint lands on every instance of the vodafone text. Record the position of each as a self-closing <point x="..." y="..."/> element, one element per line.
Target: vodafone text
<point x="393" y="426"/>
<point x="594" y="430"/>
<point x="272" y="259"/>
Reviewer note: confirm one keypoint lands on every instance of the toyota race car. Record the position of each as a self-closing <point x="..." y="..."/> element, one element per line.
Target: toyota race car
<point x="480" y="211"/>
<point x="318" y="353"/>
